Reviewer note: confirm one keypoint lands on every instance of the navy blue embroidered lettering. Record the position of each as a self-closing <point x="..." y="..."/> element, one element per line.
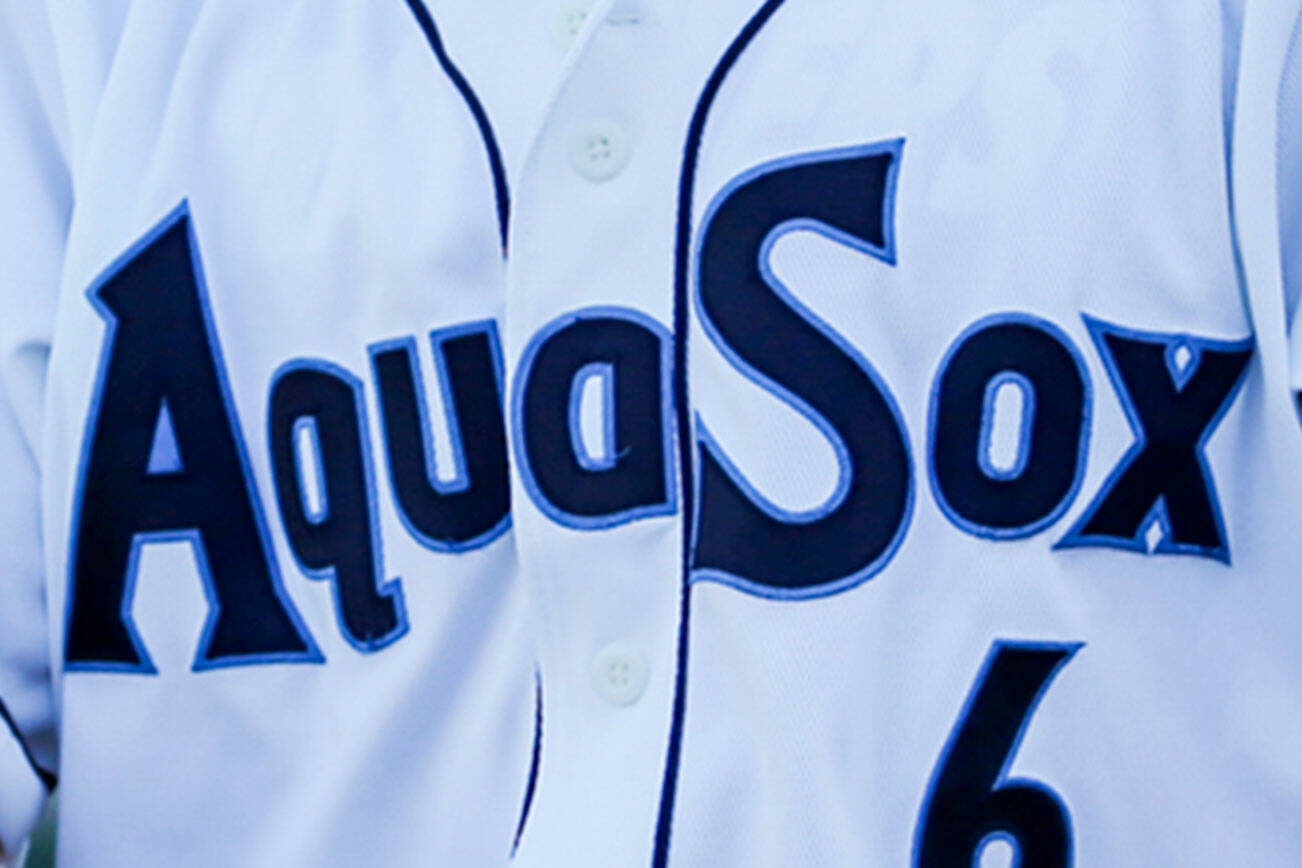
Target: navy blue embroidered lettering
<point x="770" y="336"/>
<point x="593" y="421"/>
<point x="1175" y="389"/>
<point x="161" y="360"/>
<point x="972" y="800"/>
<point x="472" y="508"/>
<point x="339" y="539"/>
<point x="1036" y="358"/>
<point x="630" y="352"/>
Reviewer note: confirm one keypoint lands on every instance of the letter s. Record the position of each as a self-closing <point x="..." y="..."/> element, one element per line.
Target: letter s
<point x="771" y="337"/>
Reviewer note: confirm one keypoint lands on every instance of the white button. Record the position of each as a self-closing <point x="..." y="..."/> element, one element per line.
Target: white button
<point x="619" y="674"/>
<point x="567" y="24"/>
<point x="600" y="150"/>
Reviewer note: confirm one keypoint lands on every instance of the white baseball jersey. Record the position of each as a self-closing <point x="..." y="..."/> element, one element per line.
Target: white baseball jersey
<point x="755" y="432"/>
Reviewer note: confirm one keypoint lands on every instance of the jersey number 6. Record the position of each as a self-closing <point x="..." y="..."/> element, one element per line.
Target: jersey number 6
<point x="971" y="802"/>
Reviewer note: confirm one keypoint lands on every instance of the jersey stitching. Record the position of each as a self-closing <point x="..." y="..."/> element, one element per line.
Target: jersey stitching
<point x="682" y="407"/>
<point x="48" y="779"/>
<point x="500" y="185"/>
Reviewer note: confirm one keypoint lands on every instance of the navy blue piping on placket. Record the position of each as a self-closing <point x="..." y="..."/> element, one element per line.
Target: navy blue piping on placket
<point x="500" y="185"/>
<point x="534" y="763"/>
<point x="682" y="407"/>
<point x="48" y="778"/>
<point x="502" y="190"/>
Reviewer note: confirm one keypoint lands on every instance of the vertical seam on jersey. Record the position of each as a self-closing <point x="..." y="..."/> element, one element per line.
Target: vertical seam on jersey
<point x="682" y="408"/>
<point x="48" y="779"/>
<point x="1295" y="40"/>
<point x="500" y="185"/>
<point x="1229" y="105"/>
<point x="532" y="784"/>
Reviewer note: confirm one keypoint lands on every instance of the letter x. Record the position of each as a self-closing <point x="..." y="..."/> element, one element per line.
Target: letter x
<point x="1175" y="390"/>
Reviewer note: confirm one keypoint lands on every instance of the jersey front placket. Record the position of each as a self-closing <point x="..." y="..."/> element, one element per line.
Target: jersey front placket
<point x="597" y="499"/>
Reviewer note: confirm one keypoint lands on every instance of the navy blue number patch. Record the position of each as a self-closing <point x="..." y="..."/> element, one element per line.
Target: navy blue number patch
<point x="1035" y="357"/>
<point x="473" y="508"/>
<point x="164" y="460"/>
<point x="334" y="536"/>
<point x="1175" y="389"/>
<point x="768" y="335"/>
<point x="971" y="800"/>
<point x="630" y="475"/>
